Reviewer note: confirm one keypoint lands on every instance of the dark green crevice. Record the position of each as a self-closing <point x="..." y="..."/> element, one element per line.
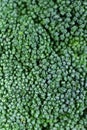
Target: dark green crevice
<point x="46" y="127"/>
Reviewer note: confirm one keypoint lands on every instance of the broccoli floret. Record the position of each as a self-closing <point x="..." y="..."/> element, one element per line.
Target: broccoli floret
<point x="43" y="65"/>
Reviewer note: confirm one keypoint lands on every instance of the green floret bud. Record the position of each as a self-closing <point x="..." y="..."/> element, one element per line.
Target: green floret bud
<point x="43" y="65"/>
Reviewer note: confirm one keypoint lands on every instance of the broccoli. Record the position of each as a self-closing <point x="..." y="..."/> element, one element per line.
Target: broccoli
<point x="43" y="65"/>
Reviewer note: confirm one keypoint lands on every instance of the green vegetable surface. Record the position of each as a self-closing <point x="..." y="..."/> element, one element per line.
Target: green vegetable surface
<point x="43" y="64"/>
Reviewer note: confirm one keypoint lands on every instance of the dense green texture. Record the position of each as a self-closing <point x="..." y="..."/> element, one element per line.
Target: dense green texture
<point x="43" y="64"/>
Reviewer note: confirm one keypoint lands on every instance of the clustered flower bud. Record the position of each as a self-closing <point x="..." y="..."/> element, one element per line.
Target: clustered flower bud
<point x="43" y="65"/>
